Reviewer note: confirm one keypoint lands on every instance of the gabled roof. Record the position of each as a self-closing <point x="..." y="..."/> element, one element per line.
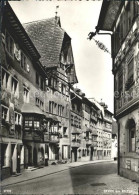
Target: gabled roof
<point x="47" y="36"/>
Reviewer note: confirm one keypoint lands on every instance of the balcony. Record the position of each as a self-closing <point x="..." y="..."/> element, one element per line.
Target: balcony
<point x="46" y="137"/>
<point x="31" y="135"/>
<point x="54" y="139"/>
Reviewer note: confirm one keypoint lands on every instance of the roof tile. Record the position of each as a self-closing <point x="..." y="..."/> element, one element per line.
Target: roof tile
<point x="47" y="36"/>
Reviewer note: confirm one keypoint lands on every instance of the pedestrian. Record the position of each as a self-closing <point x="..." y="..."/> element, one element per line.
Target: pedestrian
<point x="46" y="159"/>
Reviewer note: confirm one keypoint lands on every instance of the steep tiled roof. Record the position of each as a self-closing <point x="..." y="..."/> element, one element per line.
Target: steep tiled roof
<point x="47" y="36"/>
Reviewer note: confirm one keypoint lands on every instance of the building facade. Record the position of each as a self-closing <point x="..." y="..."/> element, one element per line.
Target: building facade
<point x="45" y="120"/>
<point x="124" y="25"/>
<point x="22" y="137"/>
<point x="57" y="60"/>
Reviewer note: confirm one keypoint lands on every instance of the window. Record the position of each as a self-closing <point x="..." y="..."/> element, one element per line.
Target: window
<point x="36" y="123"/>
<point x="17" y="118"/>
<point x="32" y="122"/>
<point x="5" y="79"/>
<point x="132" y="139"/>
<point x="120" y="82"/>
<point x="65" y="132"/>
<point x="23" y="61"/>
<point x="26" y="95"/>
<point x="14" y="86"/>
<point x="63" y="89"/>
<point x="9" y="44"/>
<point x="132" y="135"/>
<point x="39" y="103"/>
<point x="51" y="107"/>
<point x="55" y="83"/>
<point x="42" y="84"/>
<point x="37" y="78"/>
<point x="28" y="122"/>
<point x="4" y="113"/>
<point x="59" y="110"/>
<point x="131" y="69"/>
<point x="59" y="86"/>
<point x="65" y="152"/>
<point x="3" y="154"/>
<point x="55" y="108"/>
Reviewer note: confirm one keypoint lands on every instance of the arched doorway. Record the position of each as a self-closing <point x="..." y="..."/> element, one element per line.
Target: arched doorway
<point x="35" y="157"/>
<point x="131" y="127"/>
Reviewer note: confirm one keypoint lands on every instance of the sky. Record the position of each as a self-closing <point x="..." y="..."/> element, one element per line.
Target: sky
<point x="78" y="18"/>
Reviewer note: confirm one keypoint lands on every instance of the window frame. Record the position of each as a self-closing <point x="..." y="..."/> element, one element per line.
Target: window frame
<point x="8" y="44"/>
<point x="3" y="114"/>
<point x="26" y="89"/>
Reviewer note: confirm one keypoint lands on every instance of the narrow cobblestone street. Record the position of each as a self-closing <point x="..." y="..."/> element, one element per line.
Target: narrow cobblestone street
<point x="76" y="178"/>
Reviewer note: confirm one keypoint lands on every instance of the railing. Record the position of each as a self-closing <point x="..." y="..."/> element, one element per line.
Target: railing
<point x="46" y="137"/>
<point x="54" y="139"/>
<point x="33" y="135"/>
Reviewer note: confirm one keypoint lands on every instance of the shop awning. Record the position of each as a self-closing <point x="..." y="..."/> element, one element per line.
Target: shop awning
<point x="28" y="108"/>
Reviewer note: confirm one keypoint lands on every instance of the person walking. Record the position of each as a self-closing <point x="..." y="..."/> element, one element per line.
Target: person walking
<point x="46" y="159"/>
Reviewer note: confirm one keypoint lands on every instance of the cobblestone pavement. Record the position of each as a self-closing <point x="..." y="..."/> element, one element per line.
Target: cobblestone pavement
<point x="51" y="169"/>
<point x="90" y="179"/>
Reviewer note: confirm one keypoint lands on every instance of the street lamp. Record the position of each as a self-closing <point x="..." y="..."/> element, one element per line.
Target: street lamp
<point x="100" y="44"/>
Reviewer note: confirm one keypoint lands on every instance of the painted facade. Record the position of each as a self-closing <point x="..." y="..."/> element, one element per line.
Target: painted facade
<point x="125" y="51"/>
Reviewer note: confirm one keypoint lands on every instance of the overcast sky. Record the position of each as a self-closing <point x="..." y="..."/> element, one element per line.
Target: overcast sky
<point x="78" y="18"/>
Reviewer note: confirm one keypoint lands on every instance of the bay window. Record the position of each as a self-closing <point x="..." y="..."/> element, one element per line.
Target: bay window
<point x="31" y="122"/>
